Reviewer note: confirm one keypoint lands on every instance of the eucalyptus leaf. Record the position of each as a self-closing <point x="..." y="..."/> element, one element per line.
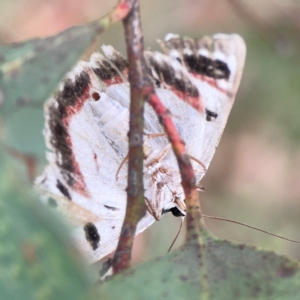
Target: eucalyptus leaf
<point x="37" y="259"/>
<point x="208" y="268"/>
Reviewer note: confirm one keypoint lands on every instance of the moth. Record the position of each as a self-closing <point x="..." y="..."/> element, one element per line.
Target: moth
<point x="86" y="131"/>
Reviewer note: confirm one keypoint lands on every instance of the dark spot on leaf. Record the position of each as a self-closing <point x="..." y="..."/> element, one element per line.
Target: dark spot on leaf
<point x="61" y="57"/>
<point x="52" y="203"/>
<point x="22" y="101"/>
<point x="29" y="251"/>
<point x="40" y="47"/>
<point x="45" y="80"/>
<point x="2" y="58"/>
<point x="286" y="270"/>
<point x="165" y="294"/>
<point x="14" y="73"/>
<point x="183" y="278"/>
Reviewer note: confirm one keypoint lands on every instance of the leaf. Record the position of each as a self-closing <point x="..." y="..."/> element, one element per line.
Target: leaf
<point x="208" y="268"/>
<point x="37" y="260"/>
<point x="30" y="71"/>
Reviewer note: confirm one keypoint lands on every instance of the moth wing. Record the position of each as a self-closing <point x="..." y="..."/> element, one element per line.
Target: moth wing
<point x="215" y="65"/>
<point x="87" y="145"/>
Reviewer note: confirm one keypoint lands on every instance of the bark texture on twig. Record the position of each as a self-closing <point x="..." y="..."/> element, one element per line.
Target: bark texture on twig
<point x="136" y="207"/>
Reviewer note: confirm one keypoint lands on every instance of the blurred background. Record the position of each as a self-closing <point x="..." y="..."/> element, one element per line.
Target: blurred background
<point x="255" y="174"/>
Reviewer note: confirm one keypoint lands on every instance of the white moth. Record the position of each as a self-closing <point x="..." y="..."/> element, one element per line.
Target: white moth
<point x="87" y="126"/>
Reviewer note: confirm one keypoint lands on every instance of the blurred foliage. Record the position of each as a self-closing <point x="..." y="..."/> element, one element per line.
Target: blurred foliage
<point x="37" y="259"/>
<point x="46" y="60"/>
<point x="207" y="268"/>
<point x="263" y="128"/>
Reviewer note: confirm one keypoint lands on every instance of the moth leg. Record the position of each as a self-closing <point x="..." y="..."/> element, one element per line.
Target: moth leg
<point x="150" y="209"/>
<point x="154" y="135"/>
<point x="198" y="161"/>
<point x="149" y="136"/>
<point x="121" y="165"/>
<point x="159" y="157"/>
<point x="180" y="204"/>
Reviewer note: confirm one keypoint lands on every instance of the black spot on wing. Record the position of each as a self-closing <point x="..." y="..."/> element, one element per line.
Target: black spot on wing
<point x="110" y="207"/>
<point x="92" y="235"/>
<point x="63" y="189"/>
<point x="210" y="115"/>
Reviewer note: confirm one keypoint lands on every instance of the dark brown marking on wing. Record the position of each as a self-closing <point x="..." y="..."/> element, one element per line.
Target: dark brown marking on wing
<point x="120" y="62"/>
<point x="111" y="207"/>
<point x="180" y="84"/>
<point x="195" y="62"/>
<point x="107" y="73"/>
<point x="68" y="103"/>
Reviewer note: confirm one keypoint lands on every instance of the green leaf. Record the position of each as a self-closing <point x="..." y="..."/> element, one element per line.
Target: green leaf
<point x="37" y="260"/>
<point x="208" y="268"/>
<point x="30" y="71"/>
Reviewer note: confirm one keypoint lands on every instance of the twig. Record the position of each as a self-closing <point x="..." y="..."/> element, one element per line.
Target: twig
<point x="185" y="167"/>
<point x="136" y="207"/>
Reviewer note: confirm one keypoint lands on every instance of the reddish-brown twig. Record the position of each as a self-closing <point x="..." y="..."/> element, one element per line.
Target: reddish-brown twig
<point x="185" y="167"/>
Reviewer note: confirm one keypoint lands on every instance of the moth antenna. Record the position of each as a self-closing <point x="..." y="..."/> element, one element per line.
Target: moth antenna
<point x="121" y="165"/>
<point x="198" y="161"/>
<point x="176" y="235"/>
<point x="249" y="226"/>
